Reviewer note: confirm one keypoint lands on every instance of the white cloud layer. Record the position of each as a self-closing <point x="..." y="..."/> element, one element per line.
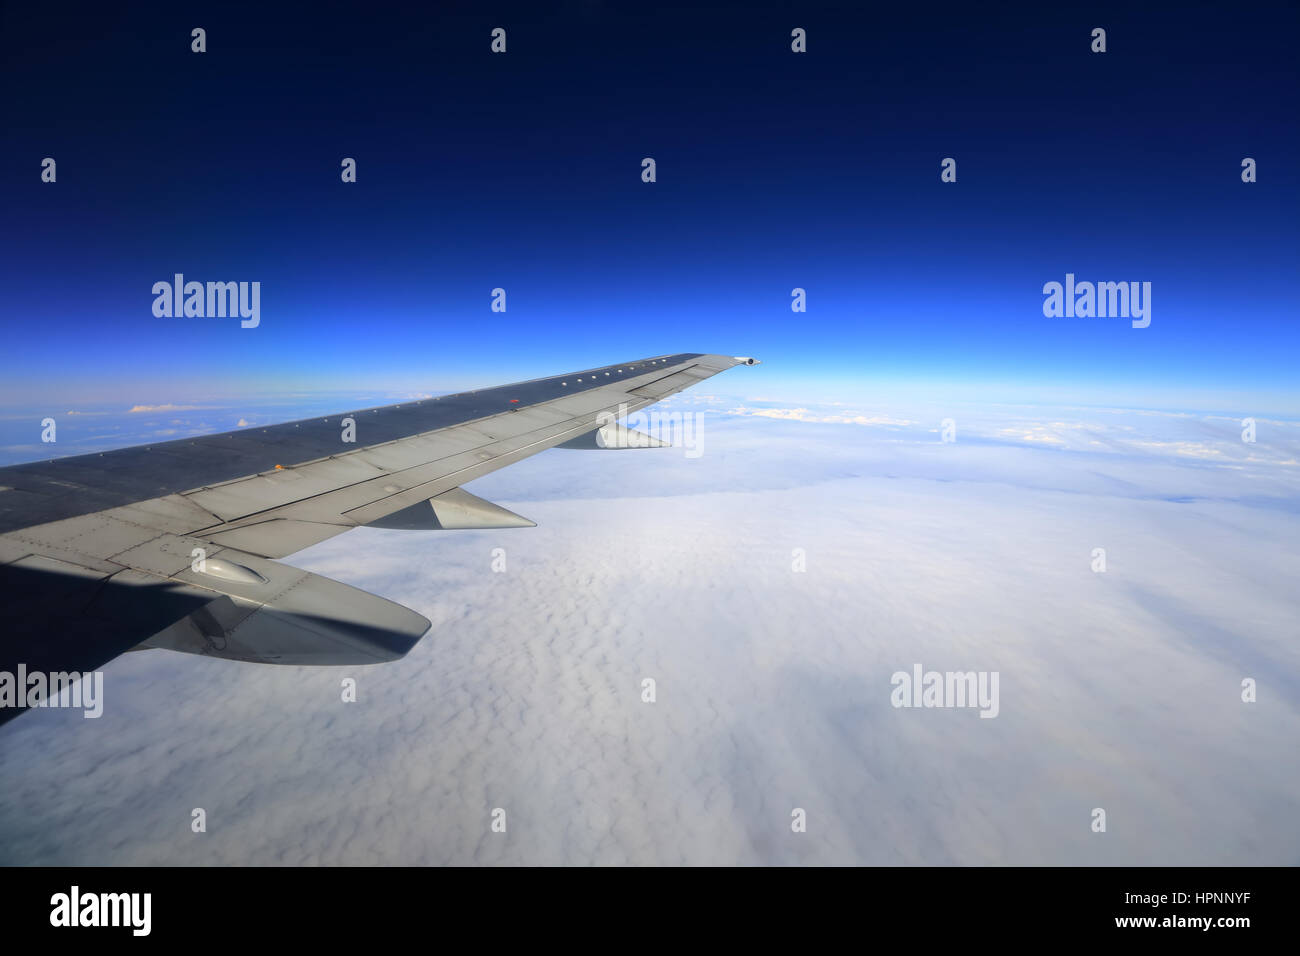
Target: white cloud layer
<point x="135" y="409"/>
<point x="1118" y="690"/>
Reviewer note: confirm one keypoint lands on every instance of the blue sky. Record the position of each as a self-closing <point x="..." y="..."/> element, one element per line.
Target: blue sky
<point x="775" y="170"/>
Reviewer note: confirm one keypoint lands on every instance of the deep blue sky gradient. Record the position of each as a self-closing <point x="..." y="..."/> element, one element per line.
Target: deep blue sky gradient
<point x="522" y="171"/>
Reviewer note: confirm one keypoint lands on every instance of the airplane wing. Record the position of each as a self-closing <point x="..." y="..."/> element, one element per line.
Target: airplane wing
<point x="173" y="545"/>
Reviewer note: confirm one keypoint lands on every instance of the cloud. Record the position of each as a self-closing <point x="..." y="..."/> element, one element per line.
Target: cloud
<point x="1118" y="689"/>
<point x="804" y="415"/>
<point x="162" y="408"/>
<point x="1188" y="448"/>
<point x="1039" y="433"/>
